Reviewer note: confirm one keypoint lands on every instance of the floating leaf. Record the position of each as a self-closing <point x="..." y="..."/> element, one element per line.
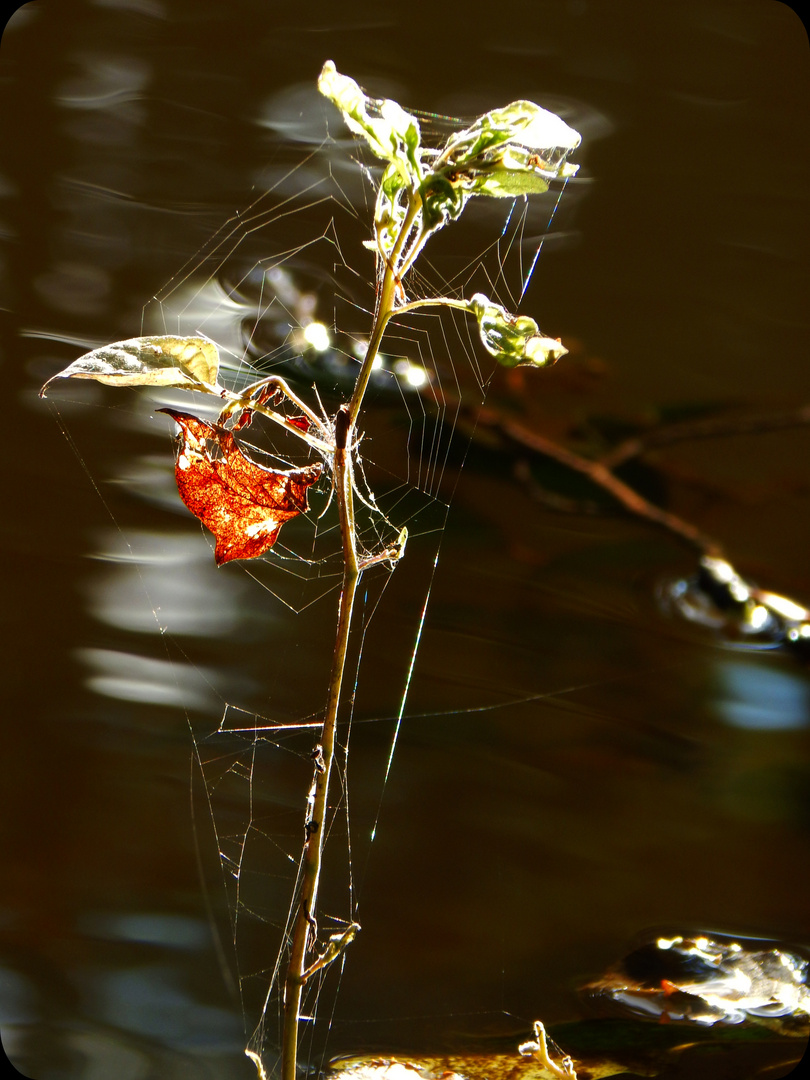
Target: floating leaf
<point x="513" y="340"/>
<point x="163" y="360"/>
<point x="493" y="1066"/>
<point x="243" y="504"/>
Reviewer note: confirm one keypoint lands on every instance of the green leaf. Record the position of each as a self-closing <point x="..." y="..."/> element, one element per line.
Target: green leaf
<point x="163" y="360"/>
<point x="392" y="133"/>
<point x="514" y="340"/>
<point x="441" y="200"/>
<point x="520" y="125"/>
<point x="504" y="183"/>
<point x="517" y="150"/>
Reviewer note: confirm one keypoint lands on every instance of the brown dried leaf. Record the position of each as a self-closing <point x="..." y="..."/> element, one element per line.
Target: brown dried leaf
<point x="243" y="504"/>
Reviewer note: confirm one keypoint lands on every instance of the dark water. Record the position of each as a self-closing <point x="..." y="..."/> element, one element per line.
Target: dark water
<point x="576" y="765"/>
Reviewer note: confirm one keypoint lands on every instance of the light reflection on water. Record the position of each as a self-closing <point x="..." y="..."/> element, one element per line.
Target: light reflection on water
<point x="147" y="928"/>
<point x="17" y="998"/>
<point x="154" y="584"/>
<point x="111" y="83"/>
<point x="148" y="1001"/>
<point x="75" y="287"/>
<point x="300" y="114"/>
<point x="147" y="680"/>
<point x="759" y="697"/>
<point x="203" y="309"/>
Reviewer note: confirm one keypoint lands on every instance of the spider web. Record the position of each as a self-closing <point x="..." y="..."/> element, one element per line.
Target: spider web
<point x="302" y="309"/>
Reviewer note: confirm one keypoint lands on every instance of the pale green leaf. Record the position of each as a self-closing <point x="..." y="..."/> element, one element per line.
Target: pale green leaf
<point x="517" y="150"/>
<point x="503" y="183"/>
<point x="391" y="132"/>
<point x="520" y="124"/>
<point x="539" y="129"/>
<point x="163" y="360"/>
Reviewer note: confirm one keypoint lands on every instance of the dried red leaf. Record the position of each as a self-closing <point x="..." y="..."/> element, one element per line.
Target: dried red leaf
<point x="300" y="422"/>
<point x="245" y="417"/>
<point x="241" y="503"/>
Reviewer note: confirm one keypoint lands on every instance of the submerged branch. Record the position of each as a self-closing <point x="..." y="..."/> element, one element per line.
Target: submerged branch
<point x="602" y="477"/>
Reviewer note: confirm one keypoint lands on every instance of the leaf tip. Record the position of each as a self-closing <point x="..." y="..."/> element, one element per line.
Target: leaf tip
<point x="540" y="351"/>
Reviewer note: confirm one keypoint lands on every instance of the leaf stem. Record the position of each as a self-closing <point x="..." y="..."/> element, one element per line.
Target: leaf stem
<point x="436" y="301"/>
<point x="241" y="401"/>
<point x="415" y="250"/>
<point x="277" y="383"/>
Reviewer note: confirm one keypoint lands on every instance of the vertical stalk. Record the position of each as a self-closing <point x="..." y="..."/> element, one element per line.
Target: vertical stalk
<point x="385" y="309"/>
<point x="305" y="925"/>
<point x="305" y="920"/>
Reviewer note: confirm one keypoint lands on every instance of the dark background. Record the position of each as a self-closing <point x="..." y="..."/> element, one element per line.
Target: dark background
<point x="651" y="775"/>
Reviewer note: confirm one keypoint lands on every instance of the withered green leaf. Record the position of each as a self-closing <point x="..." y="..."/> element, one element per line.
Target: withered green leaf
<point x="163" y="360"/>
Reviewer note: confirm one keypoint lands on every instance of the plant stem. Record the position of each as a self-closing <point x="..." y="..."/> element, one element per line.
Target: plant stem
<point x="384" y="311"/>
<point x="315" y="826"/>
<point x="305" y="925"/>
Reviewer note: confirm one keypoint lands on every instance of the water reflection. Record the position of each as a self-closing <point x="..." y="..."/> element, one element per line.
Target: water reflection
<point x="166" y="929"/>
<point x="760" y="697"/>
<point x="299" y="113"/>
<point x="203" y="308"/>
<point x="155" y="585"/>
<point x="148" y="1000"/>
<point x="153" y="8"/>
<point x="79" y="288"/>
<point x="106" y="82"/>
<point x="147" y="680"/>
<point x="125" y="179"/>
<point x="17" y="998"/>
